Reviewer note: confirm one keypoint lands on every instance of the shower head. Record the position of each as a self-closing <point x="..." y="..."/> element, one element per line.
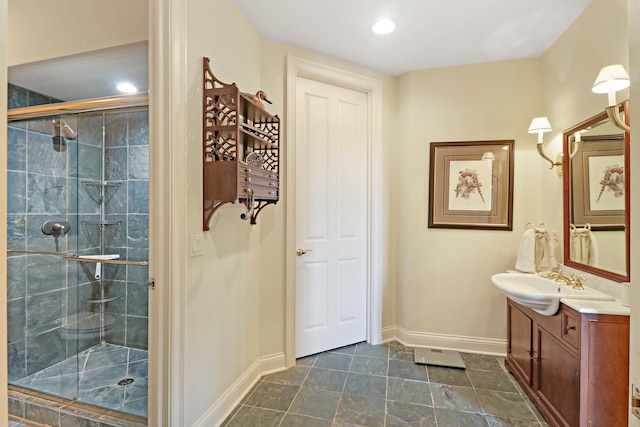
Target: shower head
<point x="61" y="128"/>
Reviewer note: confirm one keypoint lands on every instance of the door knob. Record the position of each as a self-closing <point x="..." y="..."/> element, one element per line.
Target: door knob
<point x="301" y="252"/>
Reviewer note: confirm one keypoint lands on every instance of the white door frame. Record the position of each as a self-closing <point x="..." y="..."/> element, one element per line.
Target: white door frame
<point x="297" y="67"/>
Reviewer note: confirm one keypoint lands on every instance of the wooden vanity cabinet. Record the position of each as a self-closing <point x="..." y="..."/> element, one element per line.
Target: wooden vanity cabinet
<point x="574" y="366"/>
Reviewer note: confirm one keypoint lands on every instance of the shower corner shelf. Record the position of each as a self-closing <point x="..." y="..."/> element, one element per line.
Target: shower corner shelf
<point x="101" y="300"/>
<point x="233" y="129"/>
<point x="100" y="191"/>
<point x="93" y="231"/>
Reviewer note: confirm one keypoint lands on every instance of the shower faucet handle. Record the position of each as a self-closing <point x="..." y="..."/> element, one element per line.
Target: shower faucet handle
<point x="56" y="228"/>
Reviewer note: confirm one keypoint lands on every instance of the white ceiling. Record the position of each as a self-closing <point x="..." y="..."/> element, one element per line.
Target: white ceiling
<point x="429" y="34"/>
<point x="86" y="75"/>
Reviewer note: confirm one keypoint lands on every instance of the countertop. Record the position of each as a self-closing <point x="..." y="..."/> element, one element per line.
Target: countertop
<point x="597" y="306"/>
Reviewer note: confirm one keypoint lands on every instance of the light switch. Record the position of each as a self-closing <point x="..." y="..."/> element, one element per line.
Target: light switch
<point x="196" y="245"/>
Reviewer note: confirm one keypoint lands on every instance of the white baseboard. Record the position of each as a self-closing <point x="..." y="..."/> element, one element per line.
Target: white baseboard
<point x="492" y="346"/>
<point x="225" y="404"/>
<point x="221" y="409"/>
<point x="272" y="363"/>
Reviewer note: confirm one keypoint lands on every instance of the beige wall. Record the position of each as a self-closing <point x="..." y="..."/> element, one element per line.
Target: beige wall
<point x="443" y="275"/>
<point x="223" y="292"/>
<point x="41" y="30"/>
<point x="634" y="72"/>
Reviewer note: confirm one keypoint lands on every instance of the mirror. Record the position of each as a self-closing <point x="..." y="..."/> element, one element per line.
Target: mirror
<point x="596" y="197"/>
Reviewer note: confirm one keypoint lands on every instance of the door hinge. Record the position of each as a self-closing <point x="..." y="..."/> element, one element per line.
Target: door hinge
<point x="152" y="283"/>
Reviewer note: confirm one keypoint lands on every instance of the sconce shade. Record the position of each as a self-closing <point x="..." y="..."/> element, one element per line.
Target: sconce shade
<point x="611" y="78"/>
<point x="539" y="125"/>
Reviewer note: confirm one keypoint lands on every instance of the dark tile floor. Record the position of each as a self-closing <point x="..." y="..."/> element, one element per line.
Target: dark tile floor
<point x="381" y="386"/>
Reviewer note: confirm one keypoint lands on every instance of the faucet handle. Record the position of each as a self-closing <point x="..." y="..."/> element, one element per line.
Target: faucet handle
<point x="578" y="281"/>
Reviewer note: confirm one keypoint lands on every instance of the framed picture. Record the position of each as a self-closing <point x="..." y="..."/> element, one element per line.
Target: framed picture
<point x="598" y="179"/>
<point x="471" y="185"/>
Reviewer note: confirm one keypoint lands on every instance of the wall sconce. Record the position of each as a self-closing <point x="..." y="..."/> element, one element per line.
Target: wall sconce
<point x="577" y="140"/>
<point x="611" y="79"/>
<point x="541" y="125"/>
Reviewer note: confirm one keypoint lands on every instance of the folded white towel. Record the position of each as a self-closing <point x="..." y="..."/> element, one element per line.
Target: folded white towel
<point x="593" y="249"/>
<point x="526" y="261"/>
<point x="553" y="245"/>
<point x="542" y="258"/>
<point x="575" y="247"/>
<point x="584" y="248"/>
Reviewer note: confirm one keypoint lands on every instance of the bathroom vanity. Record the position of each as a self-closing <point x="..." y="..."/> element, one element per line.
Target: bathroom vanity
<point x="574" y="364"/>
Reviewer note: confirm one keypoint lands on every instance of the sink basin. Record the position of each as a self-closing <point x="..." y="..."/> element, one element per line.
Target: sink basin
<point x="540" y="293"/>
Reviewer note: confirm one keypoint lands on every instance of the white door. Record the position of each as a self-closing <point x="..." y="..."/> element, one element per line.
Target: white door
<point x="331" y="216"/>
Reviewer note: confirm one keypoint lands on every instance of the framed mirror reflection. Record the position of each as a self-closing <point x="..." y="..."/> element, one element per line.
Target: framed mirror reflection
<point x="596" y="196"/>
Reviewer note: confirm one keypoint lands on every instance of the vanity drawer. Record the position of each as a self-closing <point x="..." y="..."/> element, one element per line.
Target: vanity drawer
<point x="256" y="174"/>
<point x="260" y="192"/>
<point x="264" y="183"/>
<point x="570" y="325"/>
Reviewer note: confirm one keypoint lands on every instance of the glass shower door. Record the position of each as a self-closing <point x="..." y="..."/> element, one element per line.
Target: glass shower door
<point x="78" y="256"/>
<point x="39" y="235"/>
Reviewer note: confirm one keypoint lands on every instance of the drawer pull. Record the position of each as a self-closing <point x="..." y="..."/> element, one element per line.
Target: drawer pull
<point x="569" y="328"/>
<point x="248" y="179"/>
<point x="272" y="184"/>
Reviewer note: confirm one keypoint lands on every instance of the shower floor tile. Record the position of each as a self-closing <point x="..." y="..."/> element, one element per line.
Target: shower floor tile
<point x="93" y="376"/>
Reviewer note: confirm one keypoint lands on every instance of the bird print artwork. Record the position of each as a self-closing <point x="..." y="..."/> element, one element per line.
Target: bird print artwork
<point x="468" y="182"/>
<point x="613" y="180"/>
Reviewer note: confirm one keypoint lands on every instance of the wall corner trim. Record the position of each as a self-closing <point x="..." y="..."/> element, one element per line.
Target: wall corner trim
<point x="225" y="404"/>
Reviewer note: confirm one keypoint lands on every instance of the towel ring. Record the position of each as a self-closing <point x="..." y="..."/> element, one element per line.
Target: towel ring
<point x="542" y="226"/>
<point x="542" y="229"/>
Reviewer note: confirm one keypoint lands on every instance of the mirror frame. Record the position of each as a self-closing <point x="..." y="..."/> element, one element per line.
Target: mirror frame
<point x="623" y="107"/>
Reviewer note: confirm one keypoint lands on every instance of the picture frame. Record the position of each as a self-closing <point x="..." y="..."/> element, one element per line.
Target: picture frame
<point x="598" y="175"/>
<point x="471" y="185"/>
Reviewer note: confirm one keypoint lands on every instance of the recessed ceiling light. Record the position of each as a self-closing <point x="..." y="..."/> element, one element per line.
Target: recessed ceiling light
<point x="383" y="26"/>
<point x="126" y="88"/>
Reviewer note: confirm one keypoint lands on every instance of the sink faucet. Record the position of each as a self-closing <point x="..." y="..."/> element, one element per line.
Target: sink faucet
<point x="574" y="281"/>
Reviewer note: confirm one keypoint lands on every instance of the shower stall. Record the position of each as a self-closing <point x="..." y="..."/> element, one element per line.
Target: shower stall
<point x="77" y="239"/>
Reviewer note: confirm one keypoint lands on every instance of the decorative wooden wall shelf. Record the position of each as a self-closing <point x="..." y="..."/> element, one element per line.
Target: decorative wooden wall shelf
<point x="241" y="150"/>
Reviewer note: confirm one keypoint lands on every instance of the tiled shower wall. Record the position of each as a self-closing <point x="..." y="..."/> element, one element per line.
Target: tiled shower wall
<point x="45" y="182"/>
